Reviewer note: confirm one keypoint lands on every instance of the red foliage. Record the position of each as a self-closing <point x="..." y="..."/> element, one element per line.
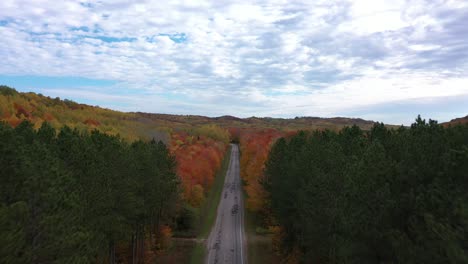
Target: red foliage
<point x="21" y="110"/>
<point x="255" y="146"/>
<point x="234" y="133"/>
<point x="48" y="117"/>
<point x="198" y="159"/>
<point x="92" y="122"/>
<point x="14" y="121"/>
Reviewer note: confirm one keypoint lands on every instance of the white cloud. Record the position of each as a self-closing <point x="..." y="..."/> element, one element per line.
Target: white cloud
<point x="373" y="16"/>
<point x="374" y="23"/>
<point x="306" y="57"/>
<point x="422" y="47"/>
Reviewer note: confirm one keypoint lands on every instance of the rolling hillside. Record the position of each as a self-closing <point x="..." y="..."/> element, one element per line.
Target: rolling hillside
<point x="197" y="143"/>
<point x="457" y="121"/>
<point x="16" y="106"/>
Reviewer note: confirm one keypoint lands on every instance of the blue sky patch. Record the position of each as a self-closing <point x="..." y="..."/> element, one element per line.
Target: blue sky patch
<point x="114" y="39"/>
<point x="30" y="83"/>
<point x="177" y="37"/>
<point x="83" y="28"/>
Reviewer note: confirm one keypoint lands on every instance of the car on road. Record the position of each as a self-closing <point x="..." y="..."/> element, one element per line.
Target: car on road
<point x="234" y="209"/>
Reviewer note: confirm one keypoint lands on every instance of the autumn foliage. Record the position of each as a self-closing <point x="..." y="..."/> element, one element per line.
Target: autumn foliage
<point x="198" y="143"/>
<point x="198" y="159"/>
<point x="254" y="145"/>
<point x="36" y="108"/>
<point x="199" y="148"/>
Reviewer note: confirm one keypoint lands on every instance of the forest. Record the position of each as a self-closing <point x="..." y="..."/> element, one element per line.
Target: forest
<point x="198" y="143"/>
<point x="87" y="184"/>
<point x="378" y="196"/>
<point x="157" y="174"/>
<point x="73" y="197"/>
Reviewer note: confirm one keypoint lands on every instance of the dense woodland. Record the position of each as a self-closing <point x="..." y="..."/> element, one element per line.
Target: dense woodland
<point x="254" y="146"/>
<point x="198" y="143"/>
<point x="198" y="159"/>
<point x="193" y="153"/>
<point x="75" y="197"/>
<point x="198" y="149"/>
<point x="381" y="196"/>
<point x="85" y="184"/>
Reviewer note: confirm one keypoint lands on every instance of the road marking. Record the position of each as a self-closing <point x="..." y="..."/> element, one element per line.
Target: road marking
<point x="241" y="215"/>
<point x="232" y="182"/>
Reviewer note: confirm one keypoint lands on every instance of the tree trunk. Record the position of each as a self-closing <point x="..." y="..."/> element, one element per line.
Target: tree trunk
<point x="142" y="245"/>
<point x="133" y="249"/>
<point x="152" y="233"/>
<point x="34" y="233"/>
<point x="111" y="252"/>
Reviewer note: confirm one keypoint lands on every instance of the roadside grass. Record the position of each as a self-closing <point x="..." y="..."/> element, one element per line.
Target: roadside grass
<point x="210" y="206"/>
<point x="179" y="252"/>
<point x="259" y="240"/>
<point x="208" y="211"/>
<point x="198" y="254"/>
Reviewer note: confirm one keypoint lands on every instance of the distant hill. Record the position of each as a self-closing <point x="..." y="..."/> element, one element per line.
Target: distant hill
<point x="259" y="122"/>
<point x="17" y="106"/>
<point x="457" y="121"/>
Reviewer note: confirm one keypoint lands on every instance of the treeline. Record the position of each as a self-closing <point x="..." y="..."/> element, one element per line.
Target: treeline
<point x="72" y="197"/>
<point x="382" y="196"/>
<point x="198" y="158"/>
<point x="16" y="107"/>
<point x="254" y="146"/>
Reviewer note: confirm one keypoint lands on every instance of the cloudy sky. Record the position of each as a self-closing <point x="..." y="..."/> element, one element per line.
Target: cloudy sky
<point x="375" y="59"/>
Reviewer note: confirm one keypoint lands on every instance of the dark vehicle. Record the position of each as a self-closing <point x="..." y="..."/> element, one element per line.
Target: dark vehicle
<point x="234" y="209"/>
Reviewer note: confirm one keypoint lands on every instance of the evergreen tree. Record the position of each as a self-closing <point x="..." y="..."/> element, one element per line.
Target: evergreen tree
<point x="383" y="196"/>
<point x="73" y="197"/>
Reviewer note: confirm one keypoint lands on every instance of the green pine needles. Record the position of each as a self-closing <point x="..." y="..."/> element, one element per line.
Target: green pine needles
<point x="382" y="196"/>
<point x="74" y="198"/>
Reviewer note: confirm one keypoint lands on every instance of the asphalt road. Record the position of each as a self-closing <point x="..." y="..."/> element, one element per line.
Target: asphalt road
<point x="226" y="241"/>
